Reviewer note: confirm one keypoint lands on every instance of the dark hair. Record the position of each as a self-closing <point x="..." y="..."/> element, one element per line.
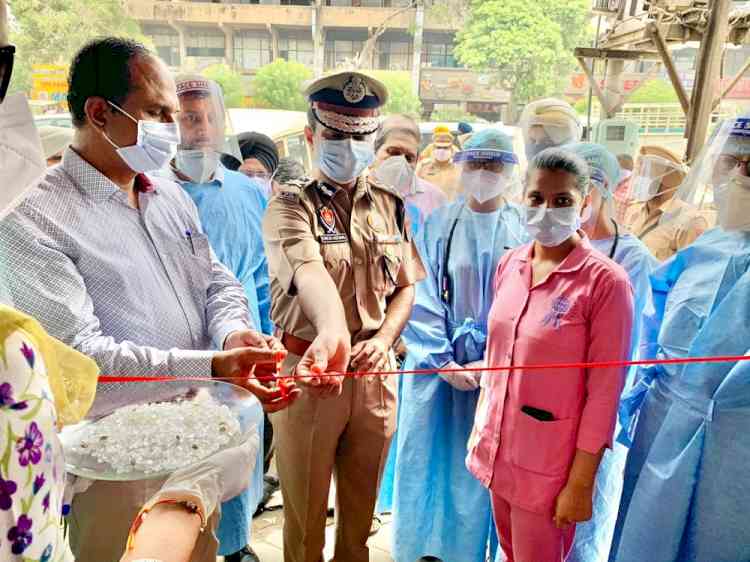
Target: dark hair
<point x="409" y="128"/>
<point x="288" y="170"/>
<point x="101" y="69"/>
<point x="311" y="119"/>
<point x="559" y="159"/>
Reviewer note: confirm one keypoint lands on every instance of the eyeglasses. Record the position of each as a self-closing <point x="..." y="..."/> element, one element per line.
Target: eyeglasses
<point x="728" y="163"/>
<point x="7" y="55"/>
<point x="263" y="176"/>
<point x="489" y="165"/>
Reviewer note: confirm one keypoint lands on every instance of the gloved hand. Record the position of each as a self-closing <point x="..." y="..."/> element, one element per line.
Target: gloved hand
<point x="463" y="380"/>
<point x="214" y="480"/>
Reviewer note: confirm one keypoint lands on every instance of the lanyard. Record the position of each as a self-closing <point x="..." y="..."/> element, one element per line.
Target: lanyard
<point x="617" y="239"/>
<point x="446" y="281"/>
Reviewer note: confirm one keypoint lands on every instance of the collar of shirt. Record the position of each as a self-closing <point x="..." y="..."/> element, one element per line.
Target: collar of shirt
<point x="330" y="191"/>
<point x="574" y="260"/>
<point x="95" y="184"/>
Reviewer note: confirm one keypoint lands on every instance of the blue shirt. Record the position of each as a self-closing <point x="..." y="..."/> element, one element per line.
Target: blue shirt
<point x="231" y="208"/>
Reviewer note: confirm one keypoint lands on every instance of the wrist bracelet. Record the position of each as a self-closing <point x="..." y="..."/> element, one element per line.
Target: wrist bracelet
<point x="138" y="521"/>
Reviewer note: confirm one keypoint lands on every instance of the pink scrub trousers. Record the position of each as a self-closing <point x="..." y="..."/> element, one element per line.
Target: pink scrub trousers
<point x="526" y="536"/>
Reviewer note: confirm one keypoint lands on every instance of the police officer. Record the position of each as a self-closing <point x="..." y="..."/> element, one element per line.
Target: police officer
<point x="342" y="269"/>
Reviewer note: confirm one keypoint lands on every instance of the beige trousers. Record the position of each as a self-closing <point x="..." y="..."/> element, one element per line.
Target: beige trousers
<point x="100" y="520"/>
<point x="346" y="437"/>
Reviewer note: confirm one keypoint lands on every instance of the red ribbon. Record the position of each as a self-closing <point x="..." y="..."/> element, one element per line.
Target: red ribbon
<point x="592" y="365"/>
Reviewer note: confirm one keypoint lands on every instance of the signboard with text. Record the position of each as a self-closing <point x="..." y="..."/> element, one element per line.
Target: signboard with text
<point x="49" y="82"/>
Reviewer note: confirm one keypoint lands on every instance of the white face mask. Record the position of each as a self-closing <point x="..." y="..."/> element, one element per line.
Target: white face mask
<point x="199" y="166"/>
<point x="155" y="146"/>
<point x="398" y="173"/>
<point x="21" y="159"/>
<point x="442" y="154"/>
<point x="345" y="159"/>
<point x="483" y="185"/>
<point x="552" y="226"/>
<point x="733" y="202"/>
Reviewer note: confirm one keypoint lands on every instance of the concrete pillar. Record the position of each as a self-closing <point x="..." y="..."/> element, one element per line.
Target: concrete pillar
<point x="319" y="38"/>
<point x="228" y="44"/>
<point x="274" y="41"/>
<point x="416" y="63"/>
<point x="613" y="87"/>
<point x="181" y="44"/>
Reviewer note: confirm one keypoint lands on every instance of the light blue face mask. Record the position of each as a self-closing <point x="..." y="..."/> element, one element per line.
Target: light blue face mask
<point x="344" y="160"/>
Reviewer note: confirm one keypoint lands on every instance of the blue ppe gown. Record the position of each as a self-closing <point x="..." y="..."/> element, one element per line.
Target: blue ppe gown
<point x="594" y="537"/>
<point x="440" y="509"/>
<point x="231" y="209"/>
<point x="686" y="479"/>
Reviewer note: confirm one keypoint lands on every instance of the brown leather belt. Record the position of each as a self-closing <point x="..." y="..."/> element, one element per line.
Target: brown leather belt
<point x="295" y="345"/>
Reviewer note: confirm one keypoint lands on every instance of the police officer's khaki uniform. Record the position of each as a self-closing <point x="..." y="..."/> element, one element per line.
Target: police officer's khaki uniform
<point x="364" y="244"/>
<point x="666" y="229"/>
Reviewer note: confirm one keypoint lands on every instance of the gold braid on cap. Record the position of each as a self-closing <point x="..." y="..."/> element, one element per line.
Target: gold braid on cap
<point x="349" y="124"/>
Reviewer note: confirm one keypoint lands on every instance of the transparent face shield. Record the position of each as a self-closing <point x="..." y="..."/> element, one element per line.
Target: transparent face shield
<point x="201" y="121"/>
<point x="487" y="173"/>
<point x="653" y="176"/>
<point x="717" y="185"/>
<point x="601" y="200"/>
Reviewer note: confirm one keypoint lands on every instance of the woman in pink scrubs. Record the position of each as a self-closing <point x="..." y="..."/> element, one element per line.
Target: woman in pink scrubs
<point x="539" y="434"/>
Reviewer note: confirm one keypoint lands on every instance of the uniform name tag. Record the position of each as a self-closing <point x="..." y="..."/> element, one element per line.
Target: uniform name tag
<point x="388" y="239"/>
<point x="333" y="238"/>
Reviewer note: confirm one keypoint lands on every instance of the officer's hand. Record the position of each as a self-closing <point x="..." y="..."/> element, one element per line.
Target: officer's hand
<point x="255" y="370"/>
<point x="370" y="355"/>
<point x="329" y="355"/>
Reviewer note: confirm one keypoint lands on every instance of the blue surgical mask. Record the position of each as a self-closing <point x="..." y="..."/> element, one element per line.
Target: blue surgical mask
<point x="344" y="160"/>
<point x="552" y="226"/>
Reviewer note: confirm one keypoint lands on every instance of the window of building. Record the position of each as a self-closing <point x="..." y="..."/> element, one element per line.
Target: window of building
<point x="439" y="53"/>
<point x="734" y="59"/>
<point x="394" y="55"/>
<point x="252" y="49"/>
<point x="338" y="51"/>
<point x="205" y="43"/>
<point x="167" y="44"/>
<point x="299" y="49"/>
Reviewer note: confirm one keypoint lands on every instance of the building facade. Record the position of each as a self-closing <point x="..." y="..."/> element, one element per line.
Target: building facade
<point x="247" y="34"/>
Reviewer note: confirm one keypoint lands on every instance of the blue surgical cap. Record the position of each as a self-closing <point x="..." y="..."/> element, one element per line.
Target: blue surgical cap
<point x="599" y="160"/>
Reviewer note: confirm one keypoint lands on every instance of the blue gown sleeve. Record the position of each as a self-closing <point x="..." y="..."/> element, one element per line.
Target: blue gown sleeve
<point x="426" y="334"/>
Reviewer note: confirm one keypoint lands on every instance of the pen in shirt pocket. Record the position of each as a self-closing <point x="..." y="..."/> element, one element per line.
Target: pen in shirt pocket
<point x="189" y="236"/>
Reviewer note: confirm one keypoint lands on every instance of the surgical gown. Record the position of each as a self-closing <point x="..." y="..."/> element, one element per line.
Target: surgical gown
<point x="593" y="538"/>
<point x="231" y="209"/>
<point x="686" y="479"/>
<point x="440" y="509"/>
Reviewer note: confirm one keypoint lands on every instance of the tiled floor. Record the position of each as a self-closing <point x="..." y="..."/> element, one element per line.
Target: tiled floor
<point x="267" y="540"/>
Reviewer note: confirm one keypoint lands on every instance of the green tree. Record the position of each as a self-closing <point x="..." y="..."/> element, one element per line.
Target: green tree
<point x="452" y="115"/>
<point x="401" y="95"/>
<point x="230" y="82"/>
<point x="51" y="31"/>
<point x="526" y="45"/>
<point x="278" y="85"/>
<point x="654" y="91"/>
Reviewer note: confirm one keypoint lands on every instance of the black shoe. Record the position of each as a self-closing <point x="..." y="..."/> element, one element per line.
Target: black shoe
<point x="247" y="554"/>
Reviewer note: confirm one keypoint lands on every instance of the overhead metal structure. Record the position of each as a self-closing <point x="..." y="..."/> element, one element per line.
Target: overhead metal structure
<point x="646" y="30"/>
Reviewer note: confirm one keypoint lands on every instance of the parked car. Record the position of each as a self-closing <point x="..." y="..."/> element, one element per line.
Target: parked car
<point x="286" y="128"/>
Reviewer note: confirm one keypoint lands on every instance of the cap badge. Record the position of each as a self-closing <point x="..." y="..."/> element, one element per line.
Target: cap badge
<point x="354" y="89"/>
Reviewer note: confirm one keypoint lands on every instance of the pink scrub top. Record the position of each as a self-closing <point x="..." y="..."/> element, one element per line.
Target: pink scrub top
<point x="582" y="312"/>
